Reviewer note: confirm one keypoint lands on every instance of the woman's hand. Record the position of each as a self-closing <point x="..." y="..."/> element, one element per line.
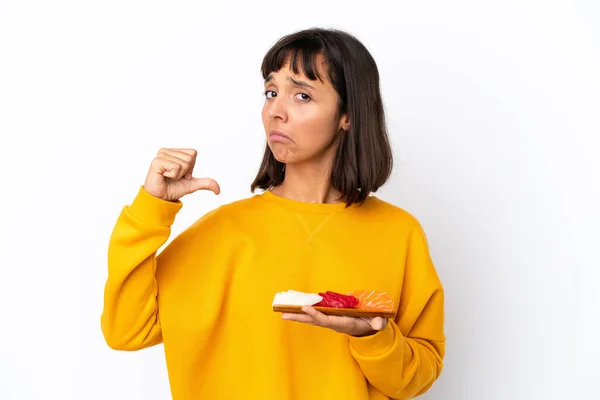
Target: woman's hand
<point x="349" y="325"/>
<point x="170" y="175"/>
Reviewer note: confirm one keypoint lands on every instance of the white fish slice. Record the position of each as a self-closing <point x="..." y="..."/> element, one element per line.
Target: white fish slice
<point x="295" y="298"/>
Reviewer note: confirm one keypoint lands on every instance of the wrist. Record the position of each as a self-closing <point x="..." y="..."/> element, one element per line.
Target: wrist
<point x="370" y="332"/>
<point x="377" y="344"/>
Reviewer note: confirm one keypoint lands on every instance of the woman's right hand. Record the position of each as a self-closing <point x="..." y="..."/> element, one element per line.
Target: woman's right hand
<point x="170" y="175"/>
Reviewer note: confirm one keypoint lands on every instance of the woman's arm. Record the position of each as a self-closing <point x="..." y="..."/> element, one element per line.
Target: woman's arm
<point x="406" y="357"/>
<point x="130" y="318"/>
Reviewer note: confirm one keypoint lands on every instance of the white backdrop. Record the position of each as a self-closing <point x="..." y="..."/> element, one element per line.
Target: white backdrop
<point x="493" y="109"/>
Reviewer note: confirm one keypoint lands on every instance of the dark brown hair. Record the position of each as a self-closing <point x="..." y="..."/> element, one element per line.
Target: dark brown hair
<point x="363" y="160"/>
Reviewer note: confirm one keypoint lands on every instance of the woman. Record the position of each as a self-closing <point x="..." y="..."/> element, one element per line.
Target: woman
<point x="315" y="228"/>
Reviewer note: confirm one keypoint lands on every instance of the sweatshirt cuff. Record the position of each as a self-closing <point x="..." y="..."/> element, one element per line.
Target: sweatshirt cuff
<point x="153" y="210"/>
<point x="377" y="344"/>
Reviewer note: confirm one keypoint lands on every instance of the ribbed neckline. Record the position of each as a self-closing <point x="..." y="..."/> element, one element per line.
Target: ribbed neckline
<point x="301" y="206"/>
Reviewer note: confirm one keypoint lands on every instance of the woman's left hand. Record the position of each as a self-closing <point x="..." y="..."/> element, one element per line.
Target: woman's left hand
<point x="352" y="326"/>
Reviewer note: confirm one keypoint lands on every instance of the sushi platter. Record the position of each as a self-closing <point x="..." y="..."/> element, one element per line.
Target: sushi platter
<point x="354" y="304"/>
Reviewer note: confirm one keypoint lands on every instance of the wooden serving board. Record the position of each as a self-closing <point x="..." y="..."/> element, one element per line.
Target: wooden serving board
<point x="342" y="312"/>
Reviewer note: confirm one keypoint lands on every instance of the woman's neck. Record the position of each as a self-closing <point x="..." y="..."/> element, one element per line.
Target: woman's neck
<point x="307" y="183"/>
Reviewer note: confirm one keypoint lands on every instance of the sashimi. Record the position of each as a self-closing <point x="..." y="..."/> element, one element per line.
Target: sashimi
<point x="373" y="301"/>
<point x="359" y="299"/>
<point x="295" y="298"/>
<point x="337" y="300"/>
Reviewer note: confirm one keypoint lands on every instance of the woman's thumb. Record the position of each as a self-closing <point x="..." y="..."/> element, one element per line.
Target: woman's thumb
<point x="204" y="184"/>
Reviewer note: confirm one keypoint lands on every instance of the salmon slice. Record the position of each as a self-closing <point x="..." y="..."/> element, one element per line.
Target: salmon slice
<point x="373" y="301"/>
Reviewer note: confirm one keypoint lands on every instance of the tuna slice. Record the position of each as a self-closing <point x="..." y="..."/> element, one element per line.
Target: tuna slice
<point x="337" y="300"/>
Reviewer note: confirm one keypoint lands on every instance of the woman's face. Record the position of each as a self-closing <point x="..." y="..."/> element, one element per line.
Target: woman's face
<point x="300" y="116"/>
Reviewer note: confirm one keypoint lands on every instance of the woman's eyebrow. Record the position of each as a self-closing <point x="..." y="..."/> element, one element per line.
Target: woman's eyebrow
<point x="296" y="82"/>
<point x="300" y="83"/>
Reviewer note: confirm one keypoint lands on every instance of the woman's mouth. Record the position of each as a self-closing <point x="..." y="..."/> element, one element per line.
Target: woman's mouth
<point x="277" y="136"/>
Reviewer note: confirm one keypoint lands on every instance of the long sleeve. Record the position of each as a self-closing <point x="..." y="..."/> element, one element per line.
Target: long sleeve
<point x="129" y="318"/>
<point x="404" y="360"/>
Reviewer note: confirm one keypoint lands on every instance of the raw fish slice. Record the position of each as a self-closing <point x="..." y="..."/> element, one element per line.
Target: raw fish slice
<point x="294" y="298"/>
<point x="373" y="301"/>
<point x="337" y="300"/>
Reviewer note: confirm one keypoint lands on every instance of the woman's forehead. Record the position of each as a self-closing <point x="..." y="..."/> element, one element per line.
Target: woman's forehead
<point x="298" y="75"/>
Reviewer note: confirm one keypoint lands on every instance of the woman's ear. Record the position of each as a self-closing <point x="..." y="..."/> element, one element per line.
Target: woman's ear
<point x="344" y="122"/>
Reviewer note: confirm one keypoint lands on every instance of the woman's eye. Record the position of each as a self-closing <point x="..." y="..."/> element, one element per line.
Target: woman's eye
<point x="303" y="96"/>
<point x="269" y="94"/>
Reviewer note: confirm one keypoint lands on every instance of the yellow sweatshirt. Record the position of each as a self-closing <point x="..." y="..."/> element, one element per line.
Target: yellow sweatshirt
<point x="208" y="298"/>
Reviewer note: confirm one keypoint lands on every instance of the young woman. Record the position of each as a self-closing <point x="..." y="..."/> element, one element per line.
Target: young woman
<point x="316" y="227"/>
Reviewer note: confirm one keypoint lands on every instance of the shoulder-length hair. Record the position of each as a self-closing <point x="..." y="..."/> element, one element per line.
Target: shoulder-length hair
<point x="363" y="160"/>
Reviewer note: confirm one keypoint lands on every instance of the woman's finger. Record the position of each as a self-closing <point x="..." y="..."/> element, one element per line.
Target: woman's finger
<point x="317" y="316"/>
<point x="378" y="323"/>
<point x="297" y="317"/>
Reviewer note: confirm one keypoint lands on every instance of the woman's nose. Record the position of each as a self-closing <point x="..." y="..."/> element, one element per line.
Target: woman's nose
<point x="277" y="108"/>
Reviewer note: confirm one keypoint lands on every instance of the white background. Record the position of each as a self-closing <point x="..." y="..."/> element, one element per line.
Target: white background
<point x="493" y="109"/>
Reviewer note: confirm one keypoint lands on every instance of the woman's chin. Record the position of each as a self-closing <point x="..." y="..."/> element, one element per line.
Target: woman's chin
<point x="283" y="160"/>
<point x="281" y="155"/>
